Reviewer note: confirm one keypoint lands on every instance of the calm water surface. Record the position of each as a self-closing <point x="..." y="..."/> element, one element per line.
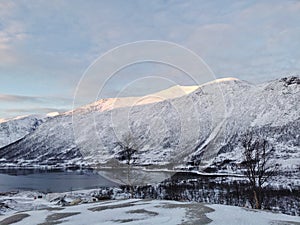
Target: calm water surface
<point x="51" y="180"/>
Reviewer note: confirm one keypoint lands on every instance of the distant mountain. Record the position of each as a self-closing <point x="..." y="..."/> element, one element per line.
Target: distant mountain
<point x="201" y="127"/>
<point x="14" y="129"/>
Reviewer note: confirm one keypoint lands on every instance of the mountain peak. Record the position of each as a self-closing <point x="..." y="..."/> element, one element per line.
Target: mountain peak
<point x="172" y="92"/>
<point x="226" y="79"/>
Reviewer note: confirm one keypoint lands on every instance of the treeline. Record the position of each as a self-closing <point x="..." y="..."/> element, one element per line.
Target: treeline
<point x="220" y="190"/>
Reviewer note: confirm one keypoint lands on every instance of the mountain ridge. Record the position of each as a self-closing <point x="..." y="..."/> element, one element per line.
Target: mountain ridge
<point x="200" y="128"/>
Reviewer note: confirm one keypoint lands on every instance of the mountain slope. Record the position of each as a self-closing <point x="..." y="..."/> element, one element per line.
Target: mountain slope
<point x="200" y="128"/>
<point x="14" y="129"/>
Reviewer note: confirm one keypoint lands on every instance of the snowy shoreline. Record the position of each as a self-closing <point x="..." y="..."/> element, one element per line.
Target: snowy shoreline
<point x="84" y="208"/>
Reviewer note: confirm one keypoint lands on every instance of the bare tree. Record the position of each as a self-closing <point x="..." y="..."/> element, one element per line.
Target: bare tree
<point x="128" y="154"/>
<point x="257" y="164"/>
<point x="128" y="149"/>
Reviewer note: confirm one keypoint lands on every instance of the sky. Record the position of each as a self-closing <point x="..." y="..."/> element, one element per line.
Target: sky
<point x="46" y="46"/>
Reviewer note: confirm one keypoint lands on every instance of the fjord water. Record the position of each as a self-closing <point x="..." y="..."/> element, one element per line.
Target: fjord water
<point x="51" y="180"/>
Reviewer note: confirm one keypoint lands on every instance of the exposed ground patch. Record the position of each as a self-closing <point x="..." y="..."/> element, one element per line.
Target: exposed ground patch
<point x="56" y="218"/>
<point x="143" y="211"/>
<point x="277" y="222"/>
<point x="125" y="220"/>
<point x="105" y="207"/>
<point x="14" y="219"/>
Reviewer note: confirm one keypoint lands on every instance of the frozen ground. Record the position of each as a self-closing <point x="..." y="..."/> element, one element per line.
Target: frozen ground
<point x="242" y="216"/>
<point x="84" y="211"/>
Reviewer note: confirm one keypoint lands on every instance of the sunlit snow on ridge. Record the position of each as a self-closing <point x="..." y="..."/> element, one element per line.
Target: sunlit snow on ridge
<point x="170" y="93"/>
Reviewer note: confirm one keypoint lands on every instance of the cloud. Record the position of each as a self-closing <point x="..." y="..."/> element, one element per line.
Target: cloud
<point x="5" y="8"/>
<point x="16" y="105"/>
<point x="33" y="99"/>
<point x="34" y="110"/>
<point x="257" y="41"/>
<point x="12" y="33"/>
<point x="45" y="46"/>
<point x="14" y="112"/>
<point x="18" y="98"/>
<point x="64" y="44"/>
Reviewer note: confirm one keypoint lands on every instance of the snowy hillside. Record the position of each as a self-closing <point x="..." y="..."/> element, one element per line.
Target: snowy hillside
<point x="14" y="129"/>
<point x="200" y="128"/>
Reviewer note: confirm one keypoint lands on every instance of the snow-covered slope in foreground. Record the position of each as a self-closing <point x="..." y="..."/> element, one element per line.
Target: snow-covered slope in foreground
<point x="202" y="127"/>
<point x="135" y="211"/>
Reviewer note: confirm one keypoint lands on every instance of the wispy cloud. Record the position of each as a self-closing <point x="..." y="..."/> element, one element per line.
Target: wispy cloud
<point x="45" y="46"/>
<point x="34" y="110"/>
<point x="12" y="32"/>
<point x="18" y="98"/>
<point x="33" y="99"/>
<point x="16" y="105"/>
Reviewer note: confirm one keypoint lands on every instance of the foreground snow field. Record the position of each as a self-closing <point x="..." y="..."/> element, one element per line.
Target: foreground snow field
<point x="241" y="216"/>
<point x="130" y="211"/>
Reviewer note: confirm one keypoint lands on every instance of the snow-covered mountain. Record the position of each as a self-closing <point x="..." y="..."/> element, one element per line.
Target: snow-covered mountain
<point x="202" y="127"/>
<point x="14" y="129"/>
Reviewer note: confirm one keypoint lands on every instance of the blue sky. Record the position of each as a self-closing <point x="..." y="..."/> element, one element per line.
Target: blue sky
<point x="45" y="46"/>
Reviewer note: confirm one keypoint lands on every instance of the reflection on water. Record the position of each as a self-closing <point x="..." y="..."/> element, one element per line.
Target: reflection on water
<point x="135" y="176"/>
